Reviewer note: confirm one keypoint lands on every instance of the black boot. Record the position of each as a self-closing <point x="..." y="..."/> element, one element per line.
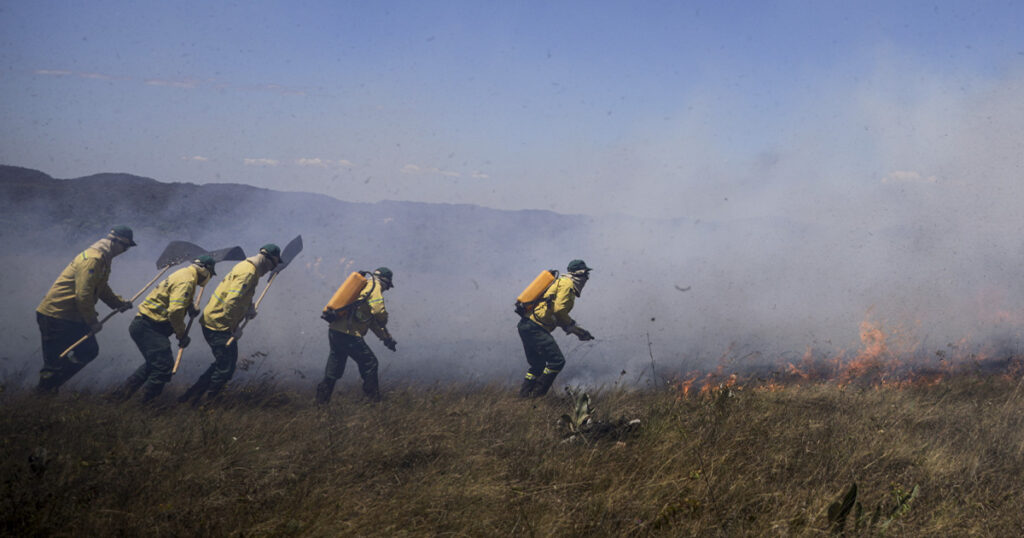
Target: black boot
<point x="544" y="383"/>
<point x="526" y="390"/>
<point x="127" y="389"/>
<point x="195" y="391"/>
<point x="323" y="391"/>
<point x="151" y="391"/>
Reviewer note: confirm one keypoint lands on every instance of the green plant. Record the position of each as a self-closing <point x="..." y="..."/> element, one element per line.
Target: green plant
<point x="839" y="511"/>
<point x="581" y="413"/>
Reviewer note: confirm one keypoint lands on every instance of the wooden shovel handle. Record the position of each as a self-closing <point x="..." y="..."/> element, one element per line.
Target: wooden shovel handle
<point x="188" y="327"/>
<point x="255" y="307"/>
<point x="110" y="315"/>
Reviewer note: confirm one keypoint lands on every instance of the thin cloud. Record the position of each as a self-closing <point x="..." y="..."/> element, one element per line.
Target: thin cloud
<point x="479" y="175"/>
<point x="186" y="83"/>
<point x="262" y="162"/>
<point x="319" y="163"/>
<point x="96" y="76"/>
<point x="195" y="158"/>
<point x="53" y="72"/>
<point x="323" y="163"/>
<point x="413" y="169"/>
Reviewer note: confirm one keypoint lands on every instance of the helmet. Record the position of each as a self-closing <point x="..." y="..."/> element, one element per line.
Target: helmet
<point x="122" y="234"/>
<point x="207" y="262"/>
<point x="385" y="274"/>
<point x="578" y="265"/>
<point x="272" y="251"/>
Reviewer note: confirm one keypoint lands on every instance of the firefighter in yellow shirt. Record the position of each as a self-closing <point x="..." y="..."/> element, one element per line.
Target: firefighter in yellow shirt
<point x="348" y="326"/>
<point x="230" y="303"/>
<point x="160" y="315"/>
<point x="542" y="352"/>
<point x="68" y="311"/>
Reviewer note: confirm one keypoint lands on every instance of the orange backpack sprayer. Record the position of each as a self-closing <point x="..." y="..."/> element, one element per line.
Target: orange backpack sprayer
<point x="534" y="292"/>
<point x="346" y="294"/>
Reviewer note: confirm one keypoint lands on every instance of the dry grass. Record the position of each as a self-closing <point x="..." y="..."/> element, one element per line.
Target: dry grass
<point x="476" y="461"/>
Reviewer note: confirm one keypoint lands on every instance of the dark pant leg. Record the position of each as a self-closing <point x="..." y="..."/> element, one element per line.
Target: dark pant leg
<point x="57" y="335"/>
<point x="336" y="358"/>
<point x="335" y="367"/>
<point x="540" y="348"/>
<point x="225" y="358"/>
<point x="543" y="354"/>
<point x="368" y="366"/>
<point x="347" y="345"/>
<point x="153" y="340"/>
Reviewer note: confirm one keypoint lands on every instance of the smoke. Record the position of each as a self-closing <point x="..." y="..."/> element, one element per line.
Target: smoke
<point x="893" y="198"/>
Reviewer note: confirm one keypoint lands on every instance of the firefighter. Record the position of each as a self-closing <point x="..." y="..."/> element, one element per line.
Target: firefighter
<point x="68" y="311"/>
<point x="230" y="303"/>
<point x="161" y="315"/>
<point x="542" y="352"/>
<point x="348" y="325"/>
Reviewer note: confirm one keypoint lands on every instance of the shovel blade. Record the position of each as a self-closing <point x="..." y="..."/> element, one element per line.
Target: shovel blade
<point x="227" y="254"/>
<point x="291" y="250"/>
<point x="178" y="252"/>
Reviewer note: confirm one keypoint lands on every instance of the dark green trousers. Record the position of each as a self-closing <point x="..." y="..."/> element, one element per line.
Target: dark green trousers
<point x="57" y="334"/>
<point x="344" y="346"/>
<point x="225" y="358"/>
<point x="543" y="355"/>
<point x="153" y="341"/>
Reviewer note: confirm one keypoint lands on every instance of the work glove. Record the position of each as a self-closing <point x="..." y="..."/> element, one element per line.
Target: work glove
<point x="391" y="344"/>
<point x="580" y="333"/>
<point x="95" y="327"/>
<point x="192" y="310"/>
<point x="251" y="313"/>
<point x="124" y="306"/>
<point x="184" y="341"/>
<point x="329" y="315"/>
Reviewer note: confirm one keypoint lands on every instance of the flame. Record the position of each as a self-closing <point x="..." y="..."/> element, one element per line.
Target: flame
<point x="889" y="358"/>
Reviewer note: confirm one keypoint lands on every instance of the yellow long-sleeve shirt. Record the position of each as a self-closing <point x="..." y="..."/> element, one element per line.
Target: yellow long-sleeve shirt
<point x="231" y="300"/>
<point x="74" y="294"/>
<point x="553" y="310"/>
<point x="169" y="300"/>
<point x="368" y="313"/>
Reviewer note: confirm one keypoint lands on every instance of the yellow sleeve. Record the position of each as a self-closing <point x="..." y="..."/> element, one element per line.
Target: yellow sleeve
<point x="564" y="301"/>
<point x="179" y="297"/>
<point x="87" y="278"/>
<point x="108" y="296"/>
<point x="378" y="314"/>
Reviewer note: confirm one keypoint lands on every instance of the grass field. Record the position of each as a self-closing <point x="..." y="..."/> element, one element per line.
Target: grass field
<point x="754" y="460"/>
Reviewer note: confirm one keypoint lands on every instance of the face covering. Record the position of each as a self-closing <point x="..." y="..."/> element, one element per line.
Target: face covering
<point x="579" y="279"/>
<point x="204" y="275"/>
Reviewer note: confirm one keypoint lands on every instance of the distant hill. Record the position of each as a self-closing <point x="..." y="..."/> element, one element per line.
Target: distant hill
<point x="42" y="210"/>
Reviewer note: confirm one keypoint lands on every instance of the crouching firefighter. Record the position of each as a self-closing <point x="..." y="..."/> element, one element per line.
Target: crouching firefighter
<point x="68" y="311"/>
<point x="539" y="317"/>
<point x="348" y="325"/>
<point x="160" y="315"/>
<point x="230" y="303"/>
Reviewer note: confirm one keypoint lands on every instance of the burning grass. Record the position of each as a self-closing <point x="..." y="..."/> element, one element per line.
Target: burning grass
<point x="741" y="459"/>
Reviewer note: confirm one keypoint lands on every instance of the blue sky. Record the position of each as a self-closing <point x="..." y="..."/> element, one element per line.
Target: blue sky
<point x="666" y="109"/>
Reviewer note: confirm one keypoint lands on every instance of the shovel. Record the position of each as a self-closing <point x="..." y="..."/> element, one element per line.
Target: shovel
<point x="230" y="253"/>
<point x="291" y="250"/>
<point x="175" y="253"/>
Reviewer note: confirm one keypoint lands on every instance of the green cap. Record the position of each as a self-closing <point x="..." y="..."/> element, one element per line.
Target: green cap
<point x="386" y="274"/>
<point x="578" y="265"/>
<point x="123" y="234"/>
<point x="207" y="262"/>
<point x="272" y="250"/>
